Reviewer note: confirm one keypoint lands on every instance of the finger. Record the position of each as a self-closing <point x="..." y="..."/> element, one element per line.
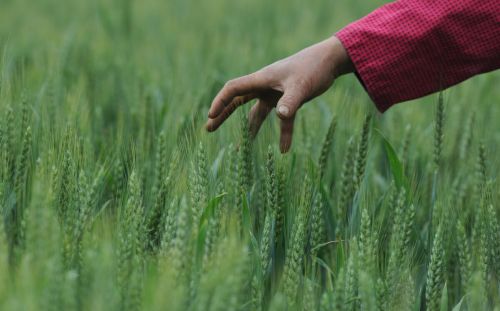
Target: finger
<point x="289" y="103"/>
<point x="214" y="124"/>
<point x="241" y="86"/>
<point x="257" y="115"/>
<point x="286" y="134"/>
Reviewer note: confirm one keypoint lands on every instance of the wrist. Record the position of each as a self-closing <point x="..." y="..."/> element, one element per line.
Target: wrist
<point x="341" y="61"/>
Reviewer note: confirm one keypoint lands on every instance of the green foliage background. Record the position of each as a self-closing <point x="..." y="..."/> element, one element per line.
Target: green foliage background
<point x="114" y="198"/>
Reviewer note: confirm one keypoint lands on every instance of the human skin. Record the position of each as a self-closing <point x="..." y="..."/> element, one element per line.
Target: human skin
<point x="285" y="85"/>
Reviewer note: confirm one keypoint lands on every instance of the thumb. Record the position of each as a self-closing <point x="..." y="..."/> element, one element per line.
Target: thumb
<point x="288" y="104"/>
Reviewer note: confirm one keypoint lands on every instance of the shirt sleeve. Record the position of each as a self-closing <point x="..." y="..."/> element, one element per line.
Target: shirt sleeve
<point x="410" y="48"/>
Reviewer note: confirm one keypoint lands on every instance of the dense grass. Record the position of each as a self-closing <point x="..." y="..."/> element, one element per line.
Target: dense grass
<point x="114" y="198"/>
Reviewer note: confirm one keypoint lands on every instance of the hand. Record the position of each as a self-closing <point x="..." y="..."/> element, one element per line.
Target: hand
<point x="286" y="84"/>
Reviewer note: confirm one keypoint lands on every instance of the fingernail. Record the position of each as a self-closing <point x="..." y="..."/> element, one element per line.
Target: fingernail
<point x="283" y="110"/>
<point x="208" y="126"/>
<point x="284" y="148"/>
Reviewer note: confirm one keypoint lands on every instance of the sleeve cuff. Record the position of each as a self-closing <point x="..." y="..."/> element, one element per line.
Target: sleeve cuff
<point x="350" y="38"/>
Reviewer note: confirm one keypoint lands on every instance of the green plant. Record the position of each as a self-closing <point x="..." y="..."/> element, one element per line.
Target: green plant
<point x="325" y="148"/>
<point x="435" y="273"/>
<point x="113" y="197"/>
<point x="347" y="189"/>
<point x="438" y="132"/>
<point x="362" y="152"/>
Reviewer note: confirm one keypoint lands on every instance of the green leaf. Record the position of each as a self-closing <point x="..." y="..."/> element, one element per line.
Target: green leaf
<point x="459" y="305"/>
<point x="325" y="266"/>
<point x="397" y="168"/>
<point x="325" y="193"/>
<point x="203" y="224"/>
<point x="324" y="244"/>
<point x="444" y="298"/>
<point x="209" y="210"/>
<point x="217" y="163"/>
<point x="246" y="217"/>
<point x="200" y="242"/>
<point x="341" y="255"/>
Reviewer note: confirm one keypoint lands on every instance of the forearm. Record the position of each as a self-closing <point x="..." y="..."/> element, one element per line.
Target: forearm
<point x="411" y="48"/>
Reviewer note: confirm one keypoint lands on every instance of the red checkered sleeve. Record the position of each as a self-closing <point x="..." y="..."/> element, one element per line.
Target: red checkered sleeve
<point x="410" y="48"/>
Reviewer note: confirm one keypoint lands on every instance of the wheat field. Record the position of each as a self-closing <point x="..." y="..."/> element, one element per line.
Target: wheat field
<point x="113" y="196"/>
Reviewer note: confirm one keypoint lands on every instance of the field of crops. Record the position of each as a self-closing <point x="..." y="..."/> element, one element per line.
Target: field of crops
<point x="113" y="197"/>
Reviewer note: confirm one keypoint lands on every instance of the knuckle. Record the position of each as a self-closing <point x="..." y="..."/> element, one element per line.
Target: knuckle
<point x="239" y="101"/>
<point x="229" y="84"/>
<point x="260" y="75"/>
<point x="288" y="99"/>
<point x="303" y="85"/>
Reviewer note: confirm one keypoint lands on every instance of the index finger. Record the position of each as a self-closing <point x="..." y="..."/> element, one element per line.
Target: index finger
<point x="251" y="83"/>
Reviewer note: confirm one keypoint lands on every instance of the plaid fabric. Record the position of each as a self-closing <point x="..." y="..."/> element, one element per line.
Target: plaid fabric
<point x="411" y="48"/>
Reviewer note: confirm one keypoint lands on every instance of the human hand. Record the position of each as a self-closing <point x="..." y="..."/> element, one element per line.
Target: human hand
<point x="287" y="85"/>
